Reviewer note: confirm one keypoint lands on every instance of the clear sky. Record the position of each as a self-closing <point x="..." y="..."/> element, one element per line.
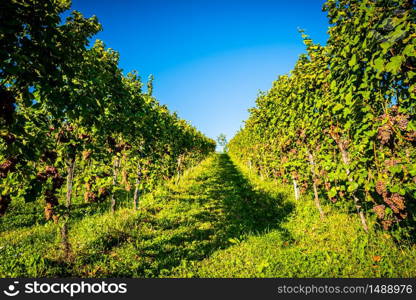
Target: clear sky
<point x="209" y="57"/>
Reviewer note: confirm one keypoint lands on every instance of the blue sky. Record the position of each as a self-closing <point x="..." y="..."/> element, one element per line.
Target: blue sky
<point x="209" y="58"/>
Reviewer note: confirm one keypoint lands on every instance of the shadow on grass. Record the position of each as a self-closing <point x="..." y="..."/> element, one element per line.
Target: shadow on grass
<point x="246" y="209"/>
<point x="30" y="214"/>
<point x="205" y="212"/>
<point x="216" y="208"/>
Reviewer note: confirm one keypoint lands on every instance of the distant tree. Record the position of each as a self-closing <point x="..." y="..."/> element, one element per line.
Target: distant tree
<point x="150" y="85"/>
<point x="222" y="142"/>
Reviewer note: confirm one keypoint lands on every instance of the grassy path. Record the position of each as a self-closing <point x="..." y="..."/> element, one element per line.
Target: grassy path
<point x="300" y="244"/>
<point x="212" y="206"/>
<point x="207" y="210"/>
<point x="218" y="221"/>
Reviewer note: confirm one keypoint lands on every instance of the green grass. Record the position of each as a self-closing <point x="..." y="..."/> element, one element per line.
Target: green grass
<point x="304" y="245"/>
<point x="219" y="220"/>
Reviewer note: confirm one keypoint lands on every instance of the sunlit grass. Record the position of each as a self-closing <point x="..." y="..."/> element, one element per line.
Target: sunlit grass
<point x="216" y="220"/>
<point x="307" y="246"/>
